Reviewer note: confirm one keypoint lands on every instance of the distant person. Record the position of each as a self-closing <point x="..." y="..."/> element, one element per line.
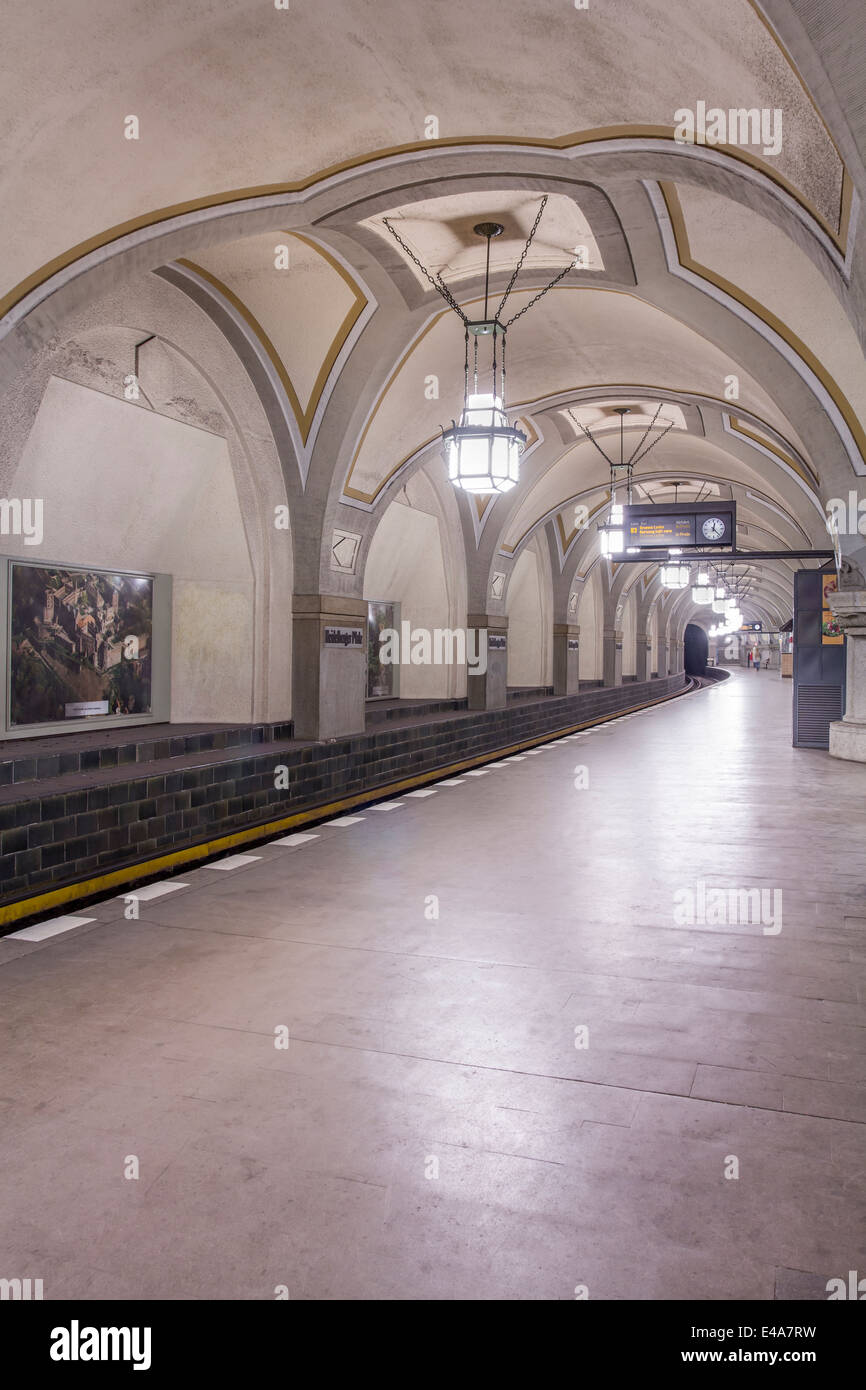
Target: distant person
<point x="749" y="657"/>
<point x="757" y="662"/>
<point x="767" y="664"/>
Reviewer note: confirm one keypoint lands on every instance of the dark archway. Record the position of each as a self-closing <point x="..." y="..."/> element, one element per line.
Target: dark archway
<point x="697" y="647"/>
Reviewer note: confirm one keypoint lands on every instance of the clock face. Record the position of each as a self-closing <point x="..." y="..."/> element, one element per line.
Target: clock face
<point x="713" y="528"/>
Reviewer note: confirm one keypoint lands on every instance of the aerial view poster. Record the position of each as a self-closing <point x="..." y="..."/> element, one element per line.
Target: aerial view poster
<point x="80" y="644"/>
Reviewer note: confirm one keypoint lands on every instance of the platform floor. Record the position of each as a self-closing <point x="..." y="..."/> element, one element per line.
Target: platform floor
<point x="432" y="1130"/>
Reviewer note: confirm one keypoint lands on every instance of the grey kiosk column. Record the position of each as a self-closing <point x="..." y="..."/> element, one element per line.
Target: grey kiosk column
<point x="329" y="665"/>
<point x="612" y="653"/>
<point x="566" y="659"/>
<point x="488" y="689"/>
<point x="848" y="734"/>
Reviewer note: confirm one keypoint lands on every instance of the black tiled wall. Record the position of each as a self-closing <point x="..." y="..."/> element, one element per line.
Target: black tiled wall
<point x="117" y="820"/>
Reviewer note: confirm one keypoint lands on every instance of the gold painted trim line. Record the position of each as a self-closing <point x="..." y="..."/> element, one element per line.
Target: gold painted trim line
<point x="804" y="472"/>
<point x="304" y="417"/>
<point x="148" y="868"/>
<point x="557" y="512"/>
<point x="562" y="142"/>
<point x="686" y="260"/>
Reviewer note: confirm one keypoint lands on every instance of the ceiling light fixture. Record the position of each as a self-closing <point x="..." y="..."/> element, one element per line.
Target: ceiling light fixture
<point x="610" y="532"/>
<point x="675" y="576"/>
<point x="483" y="450"/>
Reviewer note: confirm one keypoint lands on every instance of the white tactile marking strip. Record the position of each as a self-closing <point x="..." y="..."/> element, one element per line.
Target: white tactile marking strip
<point x="423" y="791"/>
<point x="53" y="927"/>
<point x="234" y="861"/>
<point x="346" y="820"/>
<point x="291" y="840"/>
<point x="153" y="890"/>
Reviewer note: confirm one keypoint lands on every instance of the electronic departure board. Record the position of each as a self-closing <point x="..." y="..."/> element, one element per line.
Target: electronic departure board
<point x="683" y="526"/>
<point x="660" y="530"/>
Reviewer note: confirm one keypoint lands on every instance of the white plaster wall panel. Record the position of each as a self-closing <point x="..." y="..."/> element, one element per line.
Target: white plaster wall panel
<point x="211" y="652"/>
<point x="405" y="565"/>
<point x="591" y="620"/>
<point x="628" y="629"/>
<point x="525" y="622"/>
<point x="545" y="598"/>
<point x="125" y="487"/>
<point x="224" y="103"/>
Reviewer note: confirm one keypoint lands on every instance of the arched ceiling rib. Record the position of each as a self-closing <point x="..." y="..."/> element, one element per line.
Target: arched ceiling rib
<point x="592" y="336"/>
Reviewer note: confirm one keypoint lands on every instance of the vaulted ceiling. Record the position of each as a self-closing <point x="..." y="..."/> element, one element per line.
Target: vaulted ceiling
<point x="722" y="287"/>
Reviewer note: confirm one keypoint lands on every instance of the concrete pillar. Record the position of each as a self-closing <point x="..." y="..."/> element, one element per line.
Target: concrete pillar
<point x="848" y="734"/>
<point x="566" y="659"/>
<point x="662" y="656"/>
<point x="642" y="658"/>
<point x="612" y="653"/>
<point x="488" y="690"/>
<point x="678" y="654"/>
<point x="329" y="665"/>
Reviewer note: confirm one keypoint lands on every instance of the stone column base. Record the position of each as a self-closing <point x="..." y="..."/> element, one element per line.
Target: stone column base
<point x="848" y="740"/>
<point x="566" y="659"/>
<point x="329" y="665"/>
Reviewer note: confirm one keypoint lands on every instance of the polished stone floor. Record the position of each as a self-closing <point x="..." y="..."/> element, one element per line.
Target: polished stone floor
<point x="513" y="1069"/>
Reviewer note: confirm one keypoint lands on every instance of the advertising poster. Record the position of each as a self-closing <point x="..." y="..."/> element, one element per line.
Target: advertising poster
<point x="381" y="676"/>
<point x="81" y="643"/>
<point x="831" y="632"/>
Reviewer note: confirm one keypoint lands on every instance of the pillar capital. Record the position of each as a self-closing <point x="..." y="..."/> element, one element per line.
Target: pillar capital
<point x="849" y="609"/>
<point x="496" y="622"/>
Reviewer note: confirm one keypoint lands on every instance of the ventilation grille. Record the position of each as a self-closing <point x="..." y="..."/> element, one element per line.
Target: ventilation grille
<point x="817" y="707"/>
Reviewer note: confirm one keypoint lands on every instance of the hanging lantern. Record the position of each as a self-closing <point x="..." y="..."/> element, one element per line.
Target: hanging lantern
<point x="610" y="539"/>
<point x="720" y="593"/>
<point x="675" y="576"/>
<point x="701" y="593"/>
<point x="718" y="605"/>
<point x="483" y="451"/>
<point x="703" y="579"/>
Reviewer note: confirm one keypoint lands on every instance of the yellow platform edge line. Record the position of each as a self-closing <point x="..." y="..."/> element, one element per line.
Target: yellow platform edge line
<point x="147" y="868"/>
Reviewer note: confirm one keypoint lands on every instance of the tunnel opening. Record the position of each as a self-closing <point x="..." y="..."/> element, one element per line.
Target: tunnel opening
<point x="696" y="650"/>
